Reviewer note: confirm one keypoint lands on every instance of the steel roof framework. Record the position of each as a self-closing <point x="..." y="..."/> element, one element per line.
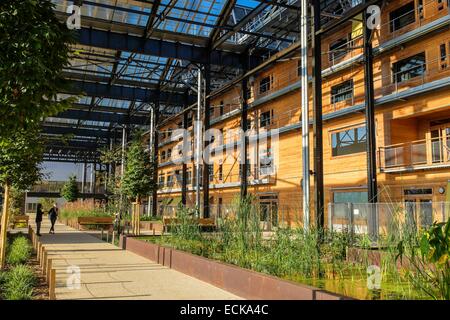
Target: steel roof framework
<point x="131" y="53"/>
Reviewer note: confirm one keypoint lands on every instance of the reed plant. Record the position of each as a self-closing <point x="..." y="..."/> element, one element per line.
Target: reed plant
<point x="305" y="255"/>
<point x="83" y="209"/>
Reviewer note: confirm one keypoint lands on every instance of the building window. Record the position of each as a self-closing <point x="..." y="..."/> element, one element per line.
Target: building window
<point x="211" y="172"/>
<point x="420" y="8"/>
<point x="266" y="166"/>
<point x="265" y="84"/>
<point x="161" y="180"/>
<point x="169" y="154"/>
<point x="188" y="177"/>
<point x="163" y="156"/>
<point x="170" y="180"/>
<point x="402" y="17"/>
<point x="414" y="192"/>
<point x="338" y="49"/>
<point x="266" y="118"/>
<point x="221" y="108"/>
<point x="220" y="172"/>
<point x="350" y="197"/>
<point x="342" y="92"/>
<point x="349" y="141"/>
<point x="409" y="68"/>
<point x="443" y="56"/>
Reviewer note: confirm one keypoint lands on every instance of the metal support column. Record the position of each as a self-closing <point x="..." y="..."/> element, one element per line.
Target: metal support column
<point x="305" y="111"/>
<point x="317" y="123"/>
<point x="155" y="157"/>
<point x="370" y="115"/>
<point x="83" y="179"/>
<point x="199" y="138"/>
<point x="244" y="125"/>
<point x="207" y="119"/>
<point x="150" y="152"/>
<point x="370" y="129"/>
<point x="185" y="158"/>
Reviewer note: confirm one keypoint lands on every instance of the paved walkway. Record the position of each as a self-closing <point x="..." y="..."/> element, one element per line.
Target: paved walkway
<point x="108" y="272"/>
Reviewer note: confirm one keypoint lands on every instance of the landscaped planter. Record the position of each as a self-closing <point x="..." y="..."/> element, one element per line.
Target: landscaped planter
<point x="151" y="225"/>
<point x="242" y="282"/>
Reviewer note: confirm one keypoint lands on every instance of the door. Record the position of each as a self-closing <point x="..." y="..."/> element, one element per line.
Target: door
<point x="418" y="213"/>
<point x="268" y="211"/>
<point x="425" y="213"/>
<point x="410" y="216"/>
<point x="436" y="146"/>
<point x="440" y="143"/>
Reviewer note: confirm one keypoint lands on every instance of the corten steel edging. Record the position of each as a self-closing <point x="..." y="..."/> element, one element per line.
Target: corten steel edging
<point x="245" y="283"/>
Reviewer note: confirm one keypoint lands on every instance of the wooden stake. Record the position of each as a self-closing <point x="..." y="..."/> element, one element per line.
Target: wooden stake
<point x="48" y="271"/>
<point x="4" y="228"/>
<point x="52" y="285"/>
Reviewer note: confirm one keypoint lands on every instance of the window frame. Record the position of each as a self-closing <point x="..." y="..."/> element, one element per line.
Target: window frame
<point x="268" y="82"/>
<point x="392" y="26"/>
<point x="396" y="72"/>
<point x="337" y="131"/>
<point x="342" y="84"/>
<point x="268" y="120"/>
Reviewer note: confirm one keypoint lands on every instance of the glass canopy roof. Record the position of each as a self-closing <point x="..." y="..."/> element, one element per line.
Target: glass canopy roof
<point x="121" y="80"/>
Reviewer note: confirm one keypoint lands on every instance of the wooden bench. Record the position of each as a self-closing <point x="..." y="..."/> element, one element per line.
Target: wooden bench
<point x="97" y="221"/>
<point x="20" y="220"/>
<point x="202" y="223"/>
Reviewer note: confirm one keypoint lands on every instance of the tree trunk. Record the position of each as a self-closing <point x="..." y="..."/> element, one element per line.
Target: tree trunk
<point x="137" y="217"/>
<point x="4" y="227"/>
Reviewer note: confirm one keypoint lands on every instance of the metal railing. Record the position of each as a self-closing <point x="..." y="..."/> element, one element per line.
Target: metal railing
<point x="415" y="154"/>
<point x="384" y="218"/>
<point x="271" y="215"/>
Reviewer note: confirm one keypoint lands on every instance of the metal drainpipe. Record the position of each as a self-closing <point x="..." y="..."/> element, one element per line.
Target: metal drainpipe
<point x="305" y="111"/>
<point x="198" y="151"/>
<point x="150" y="149"/>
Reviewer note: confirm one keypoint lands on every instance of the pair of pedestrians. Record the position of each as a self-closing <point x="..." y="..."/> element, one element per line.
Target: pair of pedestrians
<point x="52" y="214"/>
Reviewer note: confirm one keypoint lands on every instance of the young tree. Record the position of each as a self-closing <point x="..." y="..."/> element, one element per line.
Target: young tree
<point x="20" y="157"/>
<point x="137" y="181"/>
<point x="34" y="49"/>
<point x="70" y="189"/>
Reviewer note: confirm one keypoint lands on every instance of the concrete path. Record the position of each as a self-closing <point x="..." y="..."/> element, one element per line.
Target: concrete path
<point x="108" y="272"/>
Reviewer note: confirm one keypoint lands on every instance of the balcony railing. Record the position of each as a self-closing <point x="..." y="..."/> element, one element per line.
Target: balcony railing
<point x="415" y="155"/>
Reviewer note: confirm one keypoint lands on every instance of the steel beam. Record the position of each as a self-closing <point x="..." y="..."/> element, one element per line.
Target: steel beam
<point x="317" y="122"/>
<point x="124" y="93"/>
<point x="184" y="166"/>
<point x="77" y="132"/>
<point x="156" y="115"/>
<point x="155" y="47"/>
<point x="370" y="115"/>
<point x="102" y="116"/>
<point x="206" y="124"/>
<point x="244" y="124"/>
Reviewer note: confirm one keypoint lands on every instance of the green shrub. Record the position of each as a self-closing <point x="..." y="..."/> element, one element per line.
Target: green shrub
<point x="19" y="283"/>
<point x="19" y="251"/>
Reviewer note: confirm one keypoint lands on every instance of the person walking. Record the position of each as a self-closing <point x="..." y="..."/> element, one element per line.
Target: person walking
<point x="53" y="215"/>
<point x="39" y="213"/>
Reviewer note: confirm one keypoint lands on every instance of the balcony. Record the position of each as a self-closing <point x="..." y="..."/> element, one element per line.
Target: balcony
<point x="415" y="155"/>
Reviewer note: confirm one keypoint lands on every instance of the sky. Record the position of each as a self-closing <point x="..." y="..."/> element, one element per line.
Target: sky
<point x="59" y="171"/>
<point x="62" y="171"/>
<point x="248" y="3"/>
